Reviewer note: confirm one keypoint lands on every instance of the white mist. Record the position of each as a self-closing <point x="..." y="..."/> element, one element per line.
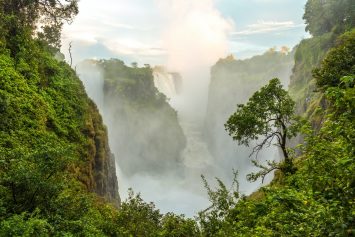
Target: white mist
<point x="195" y="37"/>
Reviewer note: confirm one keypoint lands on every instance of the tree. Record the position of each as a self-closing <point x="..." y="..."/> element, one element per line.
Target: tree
<point x="223" y="199"/>
<point x="31" y="180"/>
<point x="268" y="113"/>
<point x="285" y="50"/>
<point x="50" y="14"/>
<point x="137" y="217"/>
<point x="134" y="64"/>
<point x="323" y="16"/>
<point x="173" y="225"/>
<point x="339" y="62"/>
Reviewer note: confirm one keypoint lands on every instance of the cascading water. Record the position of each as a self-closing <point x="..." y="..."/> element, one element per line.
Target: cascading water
<point x="191" y="115"/>
<point x="164" y="82"/>
<point x="93" y="82"/>
<point x="196" y="37"/>
<point x="191" y="107"/>
<point x="179" y="189"/>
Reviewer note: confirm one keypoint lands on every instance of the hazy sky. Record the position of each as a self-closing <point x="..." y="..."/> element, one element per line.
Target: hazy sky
<point x="133" y="30"/>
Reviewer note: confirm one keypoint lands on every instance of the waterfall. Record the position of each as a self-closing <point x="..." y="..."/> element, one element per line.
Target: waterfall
<point x="179" y="190"/>
<point x="91" y="77"/>
<point x="164" y="82"/>
<point x="190" y="114"/>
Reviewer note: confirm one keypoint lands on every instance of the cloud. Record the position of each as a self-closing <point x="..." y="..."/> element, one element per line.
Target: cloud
<point x="194" y="30"/>
<point x="177" y="30"/>
<point x="267" y="27"/>
<point x="129" y="46"/>
<point x="125" y="29"/>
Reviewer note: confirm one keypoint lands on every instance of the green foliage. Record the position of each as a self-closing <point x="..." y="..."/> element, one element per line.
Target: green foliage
<point x="309" y="54"/>
<point x="239" y="79"/>
<point x="318" y="199"/>
<point x="45" y="139"/>
<point x="138" y="218"/>
<point x="32" y="180"/>
<point x="178" y="226"/>
<point x="141" y="219"/>
<point x="268" y="108"/>
<point x="25" y="225"/>
<point x="323" y="16"/>
<point x="133" y="84"/>
<point x="213" y="219"/>
<point x="40" y="128"/>
<point x="268" y="113"/>
<point x="339" y="62"/>
<point x="27" y="15"/>
<point x="325" y="20"/>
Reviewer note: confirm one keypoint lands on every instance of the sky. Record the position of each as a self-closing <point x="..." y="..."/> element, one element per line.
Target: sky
<point x="136" y="30"/>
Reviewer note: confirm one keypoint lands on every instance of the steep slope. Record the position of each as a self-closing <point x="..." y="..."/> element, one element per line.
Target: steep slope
<point x="308" y="55"/>
<point x="233" y="82"/>
<point x="55" y="162"/>
<point x="318" y="199"/>
<point x="325" y="22"/>
<point x="101" y="171"/>
<point x="144" y="129"/>
<point x="44" y="106"/>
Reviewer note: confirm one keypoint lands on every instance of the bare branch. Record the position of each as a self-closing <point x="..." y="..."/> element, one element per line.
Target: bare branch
<point x="266" y="142"/>
<point x="70" y="55"/>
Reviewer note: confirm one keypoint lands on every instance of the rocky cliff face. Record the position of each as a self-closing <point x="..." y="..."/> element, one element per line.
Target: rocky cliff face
<point x="144" y="130"/>
<point x="308" y="55"/>
<point x="100" y="170"/>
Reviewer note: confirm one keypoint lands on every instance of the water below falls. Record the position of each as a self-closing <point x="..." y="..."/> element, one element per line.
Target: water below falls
<point x="180" y="189"/>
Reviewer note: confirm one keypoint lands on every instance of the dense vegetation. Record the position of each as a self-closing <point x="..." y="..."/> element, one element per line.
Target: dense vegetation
<point x="54" y="151"/>
<point x="318" y="199"/>
<point x="53" y="145"/>
<point x="324" y="16"/>
<point x="326" y="20"/>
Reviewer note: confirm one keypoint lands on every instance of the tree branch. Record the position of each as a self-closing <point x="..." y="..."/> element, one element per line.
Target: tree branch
<point x="70" y="55"/>
<point x="267" y="141"/>
<point x="264" y="172"/>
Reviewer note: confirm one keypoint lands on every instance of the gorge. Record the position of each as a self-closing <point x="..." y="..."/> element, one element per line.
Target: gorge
<point x="161" y="151"/>
<point x="134" y="121"/>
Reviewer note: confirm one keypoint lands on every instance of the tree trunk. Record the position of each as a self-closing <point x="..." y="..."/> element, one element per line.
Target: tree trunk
<point x="288" y="166"/>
